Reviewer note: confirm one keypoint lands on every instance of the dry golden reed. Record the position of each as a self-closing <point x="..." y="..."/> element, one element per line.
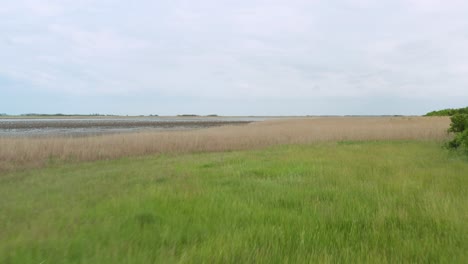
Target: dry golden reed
<point x="24" y="152"/>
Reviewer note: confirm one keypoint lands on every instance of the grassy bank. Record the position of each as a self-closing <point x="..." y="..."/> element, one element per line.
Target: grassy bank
<point x="348" y="202"/>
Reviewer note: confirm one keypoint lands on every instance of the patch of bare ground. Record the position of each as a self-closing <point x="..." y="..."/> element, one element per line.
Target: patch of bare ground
<point x="16" y="153"/>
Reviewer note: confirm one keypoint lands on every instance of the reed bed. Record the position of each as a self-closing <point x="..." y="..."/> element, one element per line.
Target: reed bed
<point x="24" y="152"/>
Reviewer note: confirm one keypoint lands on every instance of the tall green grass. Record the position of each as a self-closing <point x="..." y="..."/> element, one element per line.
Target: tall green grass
<point x="350" y="202"/>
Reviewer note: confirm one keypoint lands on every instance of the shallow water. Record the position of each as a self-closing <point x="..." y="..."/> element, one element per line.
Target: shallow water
<point x="31" y="127"/>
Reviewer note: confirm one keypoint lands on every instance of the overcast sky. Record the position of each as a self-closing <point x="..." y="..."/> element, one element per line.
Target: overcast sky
<point x="233" y="57"/>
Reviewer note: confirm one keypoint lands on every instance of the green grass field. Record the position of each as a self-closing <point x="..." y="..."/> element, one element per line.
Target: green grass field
<point x="349" y="202"/>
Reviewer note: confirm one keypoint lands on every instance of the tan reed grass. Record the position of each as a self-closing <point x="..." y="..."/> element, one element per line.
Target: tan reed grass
<point x="23" y="152"/>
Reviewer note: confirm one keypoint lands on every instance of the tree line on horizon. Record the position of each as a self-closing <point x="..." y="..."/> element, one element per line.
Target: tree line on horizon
<point x="448" y="112"/>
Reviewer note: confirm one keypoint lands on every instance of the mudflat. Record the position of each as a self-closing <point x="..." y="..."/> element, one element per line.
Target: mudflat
<point x="86" y="126"/>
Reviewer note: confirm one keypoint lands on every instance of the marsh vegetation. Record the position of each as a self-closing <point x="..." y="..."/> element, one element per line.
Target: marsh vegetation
<point x="316" y="190"/>
<point x="36" y="152"/>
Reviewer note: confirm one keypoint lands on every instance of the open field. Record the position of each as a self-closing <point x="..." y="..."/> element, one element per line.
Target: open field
<point x="356" y="189"/>
<point x="329" y="202"/>
<point x="36" y="152"/>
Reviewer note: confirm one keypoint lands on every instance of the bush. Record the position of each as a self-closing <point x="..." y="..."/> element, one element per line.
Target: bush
<point x="459" y="123"/>
<point x="459" y="126"/>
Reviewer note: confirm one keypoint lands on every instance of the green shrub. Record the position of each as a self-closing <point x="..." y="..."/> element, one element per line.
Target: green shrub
<point x="459" y="126"/>
<point x="459" y="123"/>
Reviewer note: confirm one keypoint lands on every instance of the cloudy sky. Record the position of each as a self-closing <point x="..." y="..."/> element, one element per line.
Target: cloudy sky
<point x="233" y="57"/>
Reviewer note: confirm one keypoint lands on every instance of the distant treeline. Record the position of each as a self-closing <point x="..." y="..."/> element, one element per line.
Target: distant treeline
<point x="59" y="114"/>
<point x="448" y="112"/>
<point x="193" y="115"/>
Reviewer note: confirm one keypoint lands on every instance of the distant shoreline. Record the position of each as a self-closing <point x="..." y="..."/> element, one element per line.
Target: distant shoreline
<point x="181" y="116"/>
